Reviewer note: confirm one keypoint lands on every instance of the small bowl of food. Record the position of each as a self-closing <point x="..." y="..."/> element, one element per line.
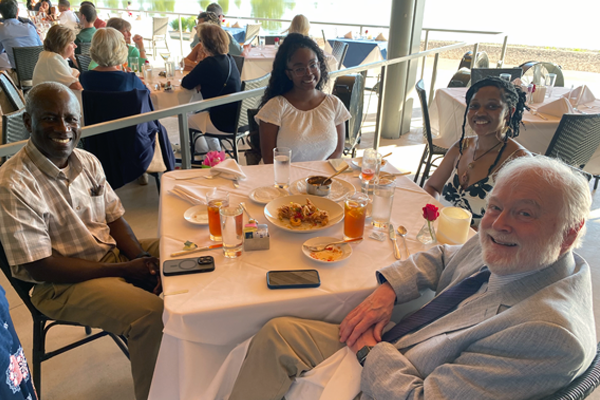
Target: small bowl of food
<point x="318" y="185"/>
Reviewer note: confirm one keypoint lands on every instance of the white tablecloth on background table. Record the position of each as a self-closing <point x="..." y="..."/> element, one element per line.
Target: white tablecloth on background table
<point x="448" y="110"/>
<point x="207" y="315"/>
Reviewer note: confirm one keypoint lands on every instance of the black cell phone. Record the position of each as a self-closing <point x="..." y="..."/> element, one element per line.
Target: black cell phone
<point x="188" y="266"/>
<point x="302" y="278"/>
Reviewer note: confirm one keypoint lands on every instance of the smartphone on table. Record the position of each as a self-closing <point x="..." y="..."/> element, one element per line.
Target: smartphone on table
<point x="188" y="266"/>
<point x="302" y="278"/>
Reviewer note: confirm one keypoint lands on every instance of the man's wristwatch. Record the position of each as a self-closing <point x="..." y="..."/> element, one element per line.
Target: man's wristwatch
<point x="362" y="354"/>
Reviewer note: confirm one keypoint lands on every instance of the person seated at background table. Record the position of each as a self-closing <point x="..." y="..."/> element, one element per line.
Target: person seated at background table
<point x="98" y="23"/>
<point x="52" y="64"/>
<point x="62" y="227"/>
<point x="67" y="17"/>
<point x="197" y="55"/>
<point x="235" y="49"/>
<point x="294" y="111"/>
<point x="14" y="33"/>
<point x="467" y="173"/>
<point x="216" y="75"/>
<point x="523" y="329"/>
<point x="87" y="16"/>
<point x="300" y="24"/>
<point x="30" y="4"/>
<point x="43" y="6"/>
<point x="133" y="51"/>
<point x="109" y="51"/>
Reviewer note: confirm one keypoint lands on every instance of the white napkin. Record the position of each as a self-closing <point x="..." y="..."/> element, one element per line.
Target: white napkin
<point x="582" y="93"/>
<point x="557" y="108"/>
<point x="189" y="194"/>
<point x="228" y="169"/>
<point x="381" y="38"/>
<point x="348" y="35"/>
<point x="236" y="25"/>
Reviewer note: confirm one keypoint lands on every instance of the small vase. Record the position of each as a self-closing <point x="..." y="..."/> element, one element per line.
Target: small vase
<point x="427" y="233"/>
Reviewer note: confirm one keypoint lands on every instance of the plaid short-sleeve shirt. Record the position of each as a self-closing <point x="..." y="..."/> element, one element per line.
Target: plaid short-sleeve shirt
<point x="45" y="212"/>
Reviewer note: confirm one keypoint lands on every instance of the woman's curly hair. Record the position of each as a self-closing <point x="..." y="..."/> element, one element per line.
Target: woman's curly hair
<point x="513" y="96"/>
<point x="279" y="83"/>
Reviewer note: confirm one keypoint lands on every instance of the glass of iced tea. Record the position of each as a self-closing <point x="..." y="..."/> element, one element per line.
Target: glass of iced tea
<point x="215" y="199"/>
<point x="355" y="212"/>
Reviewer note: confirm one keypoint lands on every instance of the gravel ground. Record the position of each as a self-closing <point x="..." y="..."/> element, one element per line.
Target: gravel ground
<point x="584" y="60"/>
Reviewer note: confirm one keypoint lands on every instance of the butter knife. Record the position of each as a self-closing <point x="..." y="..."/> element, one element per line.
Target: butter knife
<point x="392" y="232"/>
<point x="185" y="252"/>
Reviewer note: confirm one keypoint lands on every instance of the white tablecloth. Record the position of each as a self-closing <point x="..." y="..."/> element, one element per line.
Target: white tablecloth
<point x="448" y="110"/>
<point x="207" y="315"/>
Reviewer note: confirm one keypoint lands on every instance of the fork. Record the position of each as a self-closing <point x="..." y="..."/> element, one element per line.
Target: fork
<point x="321" y="247"/>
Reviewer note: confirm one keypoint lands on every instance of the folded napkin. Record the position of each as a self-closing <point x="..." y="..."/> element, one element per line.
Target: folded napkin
<point x="189" y="194"/>
<point x="381" y="38"/>
<point x="228" y="169"/>
<point x="348" y="35"/>
<point x="581" y="94"/>
<point x="236" y="25"/>
<point x="557" y="108"/>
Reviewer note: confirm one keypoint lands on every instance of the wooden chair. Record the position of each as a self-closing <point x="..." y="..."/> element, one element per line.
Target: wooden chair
<point x="431" y="150"/>
<point x="576" y="140"/>
<point x="42" y="324"/>
<point x="339" y="52"/>
<point x="242" y="129"/>
<point x="25" y="60"/>
<point x="583" y="386"/>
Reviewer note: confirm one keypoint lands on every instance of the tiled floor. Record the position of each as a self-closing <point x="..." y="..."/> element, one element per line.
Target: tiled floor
<point x="100" y="371"/>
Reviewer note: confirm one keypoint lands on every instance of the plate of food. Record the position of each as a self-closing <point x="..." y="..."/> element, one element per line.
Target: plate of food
<point x="303" y="213"/>
<point x="340" y="189"/>
<point x="197" y="215"/>
<point x="331" y="254"/>
<point x="265" y="194"/>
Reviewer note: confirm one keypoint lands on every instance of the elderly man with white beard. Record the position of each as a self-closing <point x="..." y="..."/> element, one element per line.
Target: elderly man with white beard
<point x="512" y="317"/>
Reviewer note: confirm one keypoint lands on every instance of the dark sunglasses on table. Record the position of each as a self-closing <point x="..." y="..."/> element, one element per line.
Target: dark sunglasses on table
<point x="300" y="71"/>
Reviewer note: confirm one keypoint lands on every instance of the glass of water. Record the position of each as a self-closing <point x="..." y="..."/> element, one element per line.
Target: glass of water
<point x="134" y="64"/>
<point x="170" y="68"/>
<point x="383" y="199"/>
<point x="261" y="42"/>
<point x="282" y="158"/>
<point x="549" y="83"/>
<point x="232" y="224"/>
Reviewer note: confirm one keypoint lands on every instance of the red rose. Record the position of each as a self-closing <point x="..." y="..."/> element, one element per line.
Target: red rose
<point x="430" y="212"/>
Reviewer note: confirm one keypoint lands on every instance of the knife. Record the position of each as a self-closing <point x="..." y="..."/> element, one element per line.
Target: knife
<point x="184" y="252"/>
<point x="392" y="232"/>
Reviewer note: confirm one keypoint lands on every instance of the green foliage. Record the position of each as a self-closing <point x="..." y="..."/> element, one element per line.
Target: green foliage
<point x="273" y="9"/>
<point x="175" y="24"/>
<point x="191" y="23"/>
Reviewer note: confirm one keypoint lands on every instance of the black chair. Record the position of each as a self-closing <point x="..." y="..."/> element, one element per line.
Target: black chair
<point x="339" y="52"/>
<point x="483" y="60"/>
<point x="431" y="150"/>
<point x="13" y="127"/>
<point x="461" y="78"/>
<point x="239" y="62"/>
<point x="584" y="385"/>
<point x="242" y="129"/>
<point x="576" y="139"/>
<point x="83" y="61"/>
<point x="12" y="93"/>
<point x="42" y="324"/>
<point x="478" y="74"/>
<point x="25" y="60"/>
<point x="550" y="67"/>
<point x="84" y="48"/>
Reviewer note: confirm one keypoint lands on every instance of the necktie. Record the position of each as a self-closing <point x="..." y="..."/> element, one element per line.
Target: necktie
<point x="438" y="307"/>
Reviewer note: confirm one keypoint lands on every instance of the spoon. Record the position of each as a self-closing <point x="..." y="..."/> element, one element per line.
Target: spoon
<point x="345" y="167"/>
<point x="250" y="219"/>
<point x="402" y="232"/>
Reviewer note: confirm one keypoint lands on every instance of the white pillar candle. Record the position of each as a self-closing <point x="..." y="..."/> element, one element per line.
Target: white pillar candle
<point x="453" y="225"/>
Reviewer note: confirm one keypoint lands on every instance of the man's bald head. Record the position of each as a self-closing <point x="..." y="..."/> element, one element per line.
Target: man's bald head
<point x="45" y="91"/>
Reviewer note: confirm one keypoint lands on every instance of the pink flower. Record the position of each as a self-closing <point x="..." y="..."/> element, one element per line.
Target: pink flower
<point x="212" y="158"/>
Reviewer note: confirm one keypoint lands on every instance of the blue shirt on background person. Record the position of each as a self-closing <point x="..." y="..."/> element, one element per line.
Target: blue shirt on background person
<point x="14" y="33"/>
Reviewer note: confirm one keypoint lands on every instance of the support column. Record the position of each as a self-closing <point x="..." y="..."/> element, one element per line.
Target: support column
<point x="406" y="21"/>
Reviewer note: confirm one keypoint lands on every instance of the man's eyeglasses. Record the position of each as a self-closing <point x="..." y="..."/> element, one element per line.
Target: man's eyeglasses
<point x="300" y="71"/>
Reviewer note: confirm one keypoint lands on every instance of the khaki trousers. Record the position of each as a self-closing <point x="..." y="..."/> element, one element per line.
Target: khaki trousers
<point x="281" y="351"/>
<point x="115" y="306"/>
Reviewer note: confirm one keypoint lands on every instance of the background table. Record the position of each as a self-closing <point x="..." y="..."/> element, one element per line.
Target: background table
<point x="448" y="110"/>
<point x="207" y="315"/>
<point x="362" y="51"/>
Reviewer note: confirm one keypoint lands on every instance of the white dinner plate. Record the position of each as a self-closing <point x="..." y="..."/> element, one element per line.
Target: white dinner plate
<point x="197" y="215"/>
<point x="345" y="248"/>
<point x="336" y="212"/>
<point x="265" y="194"/>
<point x="340" y="189"/>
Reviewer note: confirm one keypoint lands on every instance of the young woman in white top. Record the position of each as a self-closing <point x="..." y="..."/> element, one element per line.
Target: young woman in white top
<point x="294" y="112"/>
<point x="52" y="64"/>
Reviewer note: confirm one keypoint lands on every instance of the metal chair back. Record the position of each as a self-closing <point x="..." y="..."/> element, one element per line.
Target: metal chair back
<point x="83" y="60"/>
<point x="84" y="48"/>
<point x="13" y="127"/>
<point x="25" y="60"/>
<point x="160" y="26"/>
<point x="576" y="139"/>
<point x="251" y="30"/>
<point x="550" y="67"/>
<point x="13" y="94"/>
<point x="339" y="52"/>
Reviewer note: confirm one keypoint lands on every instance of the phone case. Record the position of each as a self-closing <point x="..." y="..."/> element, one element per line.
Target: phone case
<point x="293" y="279"/>
<point x="188" y="266"/>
